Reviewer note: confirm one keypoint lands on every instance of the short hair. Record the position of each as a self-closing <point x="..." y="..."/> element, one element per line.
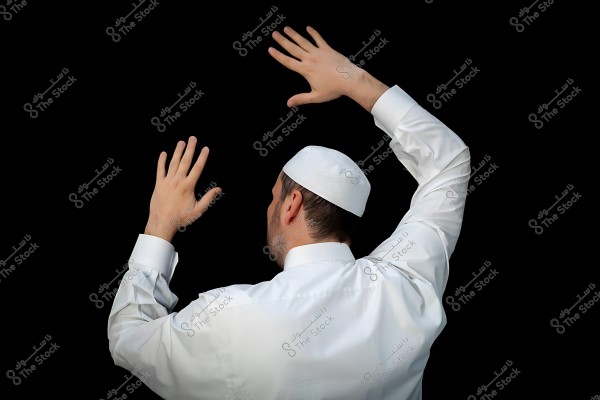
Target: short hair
<point x="326" y="219"/>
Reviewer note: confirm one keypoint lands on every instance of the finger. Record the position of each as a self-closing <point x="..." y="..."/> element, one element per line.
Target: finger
<point x="160" y="168"/>
<point x="299" y="39"/>
<point x="286" y="61"/>
<point x="205" y="202"/>
<point x="316" y="37"/>
<point x="302" y="98"/>
<point x="188" y="156"/>
<point x="199" y="165"/>
<point x="174" y="164"/>
<point x="291" y="47"/>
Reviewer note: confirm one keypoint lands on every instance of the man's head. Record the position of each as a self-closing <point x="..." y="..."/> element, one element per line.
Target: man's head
<point x="319" y="196"/>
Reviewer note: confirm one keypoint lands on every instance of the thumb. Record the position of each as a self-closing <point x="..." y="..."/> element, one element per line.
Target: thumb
<point x="302" y="98"/>
<point x="206" y="201"/>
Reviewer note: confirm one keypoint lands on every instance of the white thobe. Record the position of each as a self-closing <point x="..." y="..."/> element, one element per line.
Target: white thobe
<point x="329" y="325"/>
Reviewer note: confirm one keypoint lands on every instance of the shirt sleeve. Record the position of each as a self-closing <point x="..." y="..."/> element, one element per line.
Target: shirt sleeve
<point x="425" y="238"/>
<point x="145" y="335"/>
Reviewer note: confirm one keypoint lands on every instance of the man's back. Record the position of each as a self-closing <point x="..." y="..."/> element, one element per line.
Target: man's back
<point x="329" y="326"/>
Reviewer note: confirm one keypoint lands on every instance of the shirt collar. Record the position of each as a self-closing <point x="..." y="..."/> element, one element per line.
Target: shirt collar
<point x="317" y="252"/>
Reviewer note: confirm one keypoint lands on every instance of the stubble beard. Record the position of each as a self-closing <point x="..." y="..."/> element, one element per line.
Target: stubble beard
<point x="275" y="241"/>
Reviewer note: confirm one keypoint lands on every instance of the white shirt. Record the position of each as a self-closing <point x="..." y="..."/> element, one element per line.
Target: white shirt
<point x="329" y="326"/>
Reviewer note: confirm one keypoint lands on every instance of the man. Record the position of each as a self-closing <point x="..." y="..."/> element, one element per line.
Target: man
<point x="329" y="326"/>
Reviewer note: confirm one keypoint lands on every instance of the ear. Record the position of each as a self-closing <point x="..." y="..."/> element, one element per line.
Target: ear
<point x="292" y="208"/>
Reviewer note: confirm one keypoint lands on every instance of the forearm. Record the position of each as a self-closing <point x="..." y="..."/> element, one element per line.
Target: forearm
<point x="144" y="293"/>
<point x="424" y="144"/>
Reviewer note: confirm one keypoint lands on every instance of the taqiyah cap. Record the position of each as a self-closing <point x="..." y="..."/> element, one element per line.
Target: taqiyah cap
<point x="332" y="175"/>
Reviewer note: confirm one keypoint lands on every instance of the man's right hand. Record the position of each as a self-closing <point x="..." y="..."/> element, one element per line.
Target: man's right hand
<point x="173" y="204"/>
<point x="329" y="73"/>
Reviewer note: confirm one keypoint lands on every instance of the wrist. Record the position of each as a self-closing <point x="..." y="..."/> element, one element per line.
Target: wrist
<point x="365" y="89"/>
<point x="161" y="230"/>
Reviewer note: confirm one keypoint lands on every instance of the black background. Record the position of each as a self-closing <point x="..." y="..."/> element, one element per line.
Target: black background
<point x="121" y="85"/>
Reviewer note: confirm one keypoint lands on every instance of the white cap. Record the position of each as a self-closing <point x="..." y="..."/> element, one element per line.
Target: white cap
<point x="332" y="175"/>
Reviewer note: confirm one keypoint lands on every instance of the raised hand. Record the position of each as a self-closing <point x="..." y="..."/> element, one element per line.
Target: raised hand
<point x="318" y="63"/>
<point x="173" y="202"/>
<point x="329" y="73"/>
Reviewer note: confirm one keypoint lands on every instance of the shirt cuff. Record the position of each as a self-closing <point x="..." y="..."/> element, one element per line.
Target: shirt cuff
<point x="391" y="107"/>
<point x="155" y="253"/>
